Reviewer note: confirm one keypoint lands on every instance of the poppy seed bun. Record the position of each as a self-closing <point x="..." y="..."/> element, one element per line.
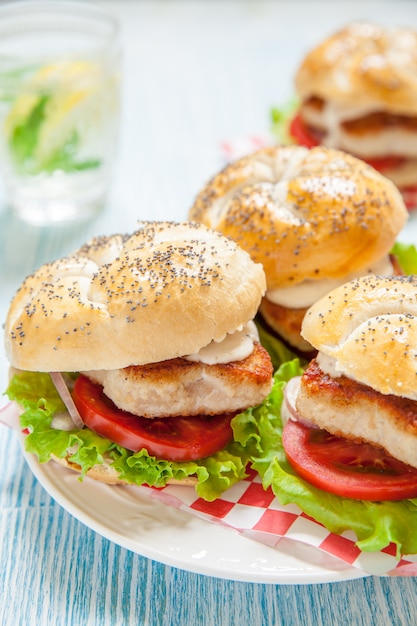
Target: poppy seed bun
<point x="304" y="214"/>
<point x="165" y="291"/>
<point x="365" y="65"/>
<point x="369" y="327"/>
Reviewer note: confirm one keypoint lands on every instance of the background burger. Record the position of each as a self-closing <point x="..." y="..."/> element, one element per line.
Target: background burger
<point x="153" y="334"/>
<point x="358" y="93"/>
<point x="313" y="218"/>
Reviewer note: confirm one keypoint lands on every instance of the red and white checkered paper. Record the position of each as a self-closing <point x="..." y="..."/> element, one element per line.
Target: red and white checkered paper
<point x="249" y="509"/>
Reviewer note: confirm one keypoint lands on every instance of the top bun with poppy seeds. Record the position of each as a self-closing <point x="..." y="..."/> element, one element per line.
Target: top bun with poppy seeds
<point x="364" y="64"/>
<point x="304" y="214"/>
<point x="313" y="218"/>
<point x="165" y="291"/>
<point x="368" y="327"/>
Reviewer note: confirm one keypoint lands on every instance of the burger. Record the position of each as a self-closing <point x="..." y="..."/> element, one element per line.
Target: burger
<point x="357" y="92"/>
<point x="131" y="357"/>
<point x="313" y="218"/>
<point x="362" y="384"/>
<point x="347" y="454"/>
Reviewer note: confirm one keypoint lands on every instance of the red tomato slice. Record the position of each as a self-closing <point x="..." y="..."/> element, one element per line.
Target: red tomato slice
<point x="385" y="163"/>
<point x="345" y="468"/>
<point x="301" y="133"/>
<point x="170" y="438"/>
<point x="410" y="197"/>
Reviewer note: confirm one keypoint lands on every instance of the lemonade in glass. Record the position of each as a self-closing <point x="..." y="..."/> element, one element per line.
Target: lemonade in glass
<point x="59" y="101"/>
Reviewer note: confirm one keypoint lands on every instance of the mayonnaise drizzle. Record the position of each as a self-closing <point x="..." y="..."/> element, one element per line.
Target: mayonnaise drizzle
<point x="306" y="293"/>
<point x="327" y="364"/>
<point x="234" y="347"/>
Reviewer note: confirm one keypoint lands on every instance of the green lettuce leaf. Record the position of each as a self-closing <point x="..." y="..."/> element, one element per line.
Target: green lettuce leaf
<point x="36" y="393"/>
<point x="406" y="254"/>
<point x="257" y="442"/>
<point x="280" y="121"/>
<point x="376" y="524"/>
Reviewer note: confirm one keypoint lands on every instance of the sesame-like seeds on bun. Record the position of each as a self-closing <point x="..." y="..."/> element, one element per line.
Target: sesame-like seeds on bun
<point x="165" y="291"/>
<point x="364" y="64"/>
<point x="304" y="214"/>
<point x="369" y="327"/>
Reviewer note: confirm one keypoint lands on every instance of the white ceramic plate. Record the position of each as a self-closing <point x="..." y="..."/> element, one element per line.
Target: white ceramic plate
<point x="133" y="520"/>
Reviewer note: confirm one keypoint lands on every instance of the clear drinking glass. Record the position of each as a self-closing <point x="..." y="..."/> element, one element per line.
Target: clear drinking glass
<point x="59" y="108"/>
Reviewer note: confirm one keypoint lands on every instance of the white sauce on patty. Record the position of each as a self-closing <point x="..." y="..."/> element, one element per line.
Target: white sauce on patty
<point x="233" y="347"/>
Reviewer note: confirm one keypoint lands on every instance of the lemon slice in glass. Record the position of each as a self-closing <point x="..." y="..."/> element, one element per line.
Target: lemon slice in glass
<point x="53" y="121"/>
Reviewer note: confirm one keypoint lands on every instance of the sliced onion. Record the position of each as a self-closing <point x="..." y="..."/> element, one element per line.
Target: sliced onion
<point x="64" y="392"/>
<point x="290" y="396"/>
<point x="9" y="415"/>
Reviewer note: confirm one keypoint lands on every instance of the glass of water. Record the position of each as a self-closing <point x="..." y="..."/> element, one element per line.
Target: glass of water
<point x="59" y="108"/>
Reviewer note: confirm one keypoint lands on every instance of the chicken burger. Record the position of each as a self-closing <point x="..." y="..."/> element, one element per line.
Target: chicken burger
<point x="132" y="355"/>
<point x="353" y="413"/>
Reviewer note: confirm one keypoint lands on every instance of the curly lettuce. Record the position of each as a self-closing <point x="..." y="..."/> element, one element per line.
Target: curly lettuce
<point x="406" y="254"/>
<point x="36" y="393"/>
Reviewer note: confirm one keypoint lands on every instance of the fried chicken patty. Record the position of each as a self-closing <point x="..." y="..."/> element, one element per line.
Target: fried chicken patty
<point x="182" y="387"/>
<point x="286" y="322"/>
<point x="349" y="409"/>
<point x="374" y="134"/>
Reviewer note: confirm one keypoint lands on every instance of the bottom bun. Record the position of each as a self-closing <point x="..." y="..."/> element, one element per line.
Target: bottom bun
<point x="105" y="473"/>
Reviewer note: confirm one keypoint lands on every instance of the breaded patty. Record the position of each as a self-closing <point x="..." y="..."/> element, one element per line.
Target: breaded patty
<point x="286" y="322"/>
<point x="375" y="134"/>
<point x="182" y="387"/>
<point x="349" y="409"/>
